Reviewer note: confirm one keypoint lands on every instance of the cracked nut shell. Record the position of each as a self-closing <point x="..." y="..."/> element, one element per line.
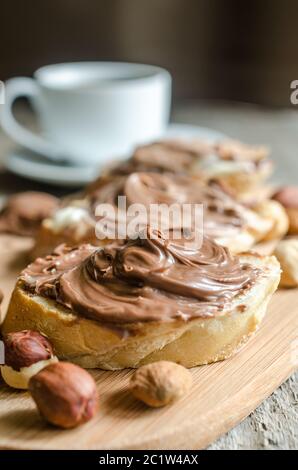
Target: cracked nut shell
<point x="160" y="383"/>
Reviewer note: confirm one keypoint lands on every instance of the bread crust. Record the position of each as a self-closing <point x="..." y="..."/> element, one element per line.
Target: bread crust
<point x="275" y="212"/>
<point x="47" y="240"/>
<point x="243" y="183"/>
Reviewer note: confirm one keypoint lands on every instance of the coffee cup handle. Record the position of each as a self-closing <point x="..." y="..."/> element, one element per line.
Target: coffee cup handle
<point x="24" y="87"/>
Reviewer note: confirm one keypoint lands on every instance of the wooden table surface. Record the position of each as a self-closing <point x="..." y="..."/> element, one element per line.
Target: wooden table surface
<point x="274" y="425"/>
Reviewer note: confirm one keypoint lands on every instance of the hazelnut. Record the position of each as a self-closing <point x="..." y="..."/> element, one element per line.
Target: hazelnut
<point x="65" y="394"/>
<point x="26" y="353"/>
<point x="288" y="197"/>
<point x="287" y="254"/>
<point x="160" y="383"/>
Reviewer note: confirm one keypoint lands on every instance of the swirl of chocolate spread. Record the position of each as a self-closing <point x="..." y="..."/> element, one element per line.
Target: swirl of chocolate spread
<point x="222" y="215"/>
<point x="24" y="212"/>
<point x="147" y="279"/>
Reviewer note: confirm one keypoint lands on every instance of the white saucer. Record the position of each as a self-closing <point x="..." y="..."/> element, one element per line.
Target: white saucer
<point x="32" y="166"/>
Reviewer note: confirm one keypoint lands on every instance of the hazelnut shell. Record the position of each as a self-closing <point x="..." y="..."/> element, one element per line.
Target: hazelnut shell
<point x="160" y="383"/>
<point x="65" y="394"/>
<point x="24" y="348"/>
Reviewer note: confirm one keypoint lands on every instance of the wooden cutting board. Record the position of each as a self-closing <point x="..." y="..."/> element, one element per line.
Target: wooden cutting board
<point x="222" y="395"/>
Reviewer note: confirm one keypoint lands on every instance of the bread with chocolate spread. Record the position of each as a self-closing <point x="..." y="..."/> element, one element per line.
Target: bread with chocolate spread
<point x="148" y="299"/>
<point x="23" y="213"/>
<point x="240" y="166"/>
<point x="225" y="220"/>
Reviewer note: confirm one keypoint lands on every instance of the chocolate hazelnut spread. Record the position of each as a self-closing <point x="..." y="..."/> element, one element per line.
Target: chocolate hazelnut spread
<point x="222" y="215"/>
<point x="24" y="212"/>
<point x="147" y="279"/>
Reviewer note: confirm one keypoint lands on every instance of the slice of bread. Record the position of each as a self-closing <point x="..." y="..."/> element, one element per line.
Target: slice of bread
<point x="189" y="342"/>
<point x="240" y="166"/>
<point x="228" y="222"/>
<point x="256" y="229"/>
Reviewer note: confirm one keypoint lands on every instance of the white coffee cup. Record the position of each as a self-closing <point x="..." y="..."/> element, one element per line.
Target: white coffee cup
<point x="90" y="111"/>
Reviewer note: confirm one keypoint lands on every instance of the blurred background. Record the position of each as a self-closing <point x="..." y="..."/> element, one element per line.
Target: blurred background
<point x="232" y="61"/>
<point x="215" y="49"/>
